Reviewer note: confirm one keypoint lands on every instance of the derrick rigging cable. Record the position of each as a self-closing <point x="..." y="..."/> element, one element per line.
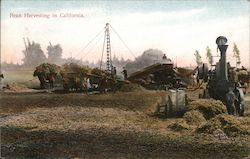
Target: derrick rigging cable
<point x="123" y="42"/>
<point x="95" y="44"/>
<point x="105" y="39"/>
<point x="89" y="43"/>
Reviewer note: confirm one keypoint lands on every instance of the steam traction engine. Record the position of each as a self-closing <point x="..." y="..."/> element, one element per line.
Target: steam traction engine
<point x="219" y="86"/>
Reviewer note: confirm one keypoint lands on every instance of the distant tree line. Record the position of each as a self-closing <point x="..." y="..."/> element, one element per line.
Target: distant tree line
<point x="34" y="55"/>
<point x="209" y="56"/>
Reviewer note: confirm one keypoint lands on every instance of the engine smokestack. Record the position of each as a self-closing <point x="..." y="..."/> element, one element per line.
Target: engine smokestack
<point x="223" y="62"/>
<point x="221" y="42"/>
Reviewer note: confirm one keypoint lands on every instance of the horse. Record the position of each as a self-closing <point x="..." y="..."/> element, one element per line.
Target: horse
<point x="51" y="77"/>
<point x="113" y="84"/>
<point x="103" y="84"/>
<point x="43" y="77"/>
<point x="84" y="86"/>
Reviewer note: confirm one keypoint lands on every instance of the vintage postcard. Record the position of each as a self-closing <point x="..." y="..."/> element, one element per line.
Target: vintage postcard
<point x="141" y="79"/>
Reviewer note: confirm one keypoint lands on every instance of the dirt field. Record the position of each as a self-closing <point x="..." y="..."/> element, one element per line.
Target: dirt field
<point x="49" y="125"/>
<point x="121" y="125"/>
<point x="21" y="77"/>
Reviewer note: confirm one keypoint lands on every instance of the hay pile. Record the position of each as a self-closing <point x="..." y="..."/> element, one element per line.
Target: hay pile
<point x="198" y="112"/>
<point x="14" y="87"/>
<point x="208" y="107"/>
<point x="194" y="117"/>
<point x="47" y="68"/>
<point x="210" y="116"/>
<point x="179" y="126"/>
<point x="230" y="125"/>
<point x="75" y="68"/>
<point x="99" y="72"/>
<point x="132" y="87"/>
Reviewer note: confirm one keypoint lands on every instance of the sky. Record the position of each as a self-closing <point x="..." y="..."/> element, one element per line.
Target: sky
<point x="177" y="27"/>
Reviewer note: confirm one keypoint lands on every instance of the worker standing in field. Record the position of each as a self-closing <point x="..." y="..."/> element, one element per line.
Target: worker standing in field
<point x="103" y="84"/>
<point x="125" y="73"/>
<point x="114" y="70"/>
<point x="177" y="83"/>
<point x="230" y="101"/>
<point x="234" y="76"/>
<point x="113" y="83"/>
<point x="197" y="80"/>
<point x="1" y="76"/>
<point x="193" y="79"/>
<point x="164" y="57"/>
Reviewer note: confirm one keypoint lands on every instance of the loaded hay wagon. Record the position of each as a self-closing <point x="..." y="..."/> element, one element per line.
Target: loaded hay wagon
<point x="46" y="73"/>
<point x="82" y="78"/>
<point x="74" y="77"/>
<point x="105" y="80"/>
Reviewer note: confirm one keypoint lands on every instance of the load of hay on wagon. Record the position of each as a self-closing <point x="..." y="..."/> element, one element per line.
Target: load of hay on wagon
<point x="99" y="72"/>
<point x="83" y="78"/>
<point x="74" y="76"/>
<point x="46" y="73"/>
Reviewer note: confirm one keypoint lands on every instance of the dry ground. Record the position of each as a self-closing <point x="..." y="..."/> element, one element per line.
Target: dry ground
<point x="21" y="77"/>
<point x="49" y="125"/>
